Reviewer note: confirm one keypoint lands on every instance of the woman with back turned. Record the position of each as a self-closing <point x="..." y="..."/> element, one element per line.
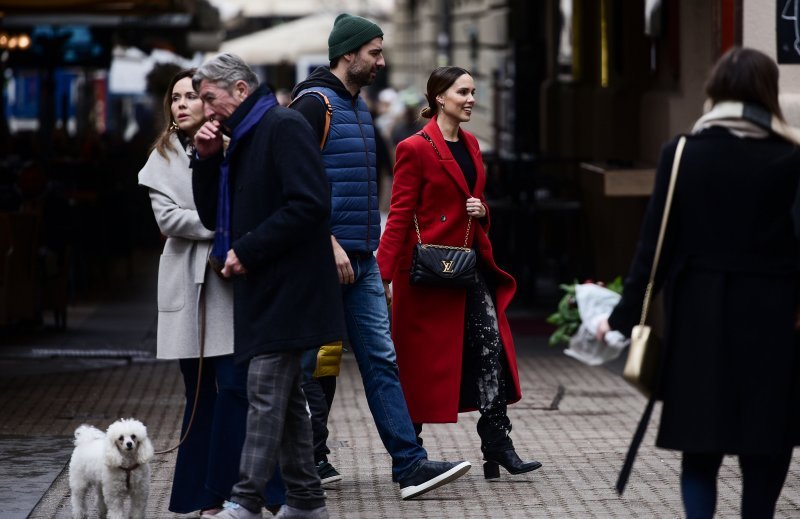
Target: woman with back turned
<point x="729" y="273"/>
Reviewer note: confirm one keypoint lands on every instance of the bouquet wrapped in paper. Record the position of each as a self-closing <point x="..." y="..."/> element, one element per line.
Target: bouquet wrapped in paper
<point x="579" y="313"/>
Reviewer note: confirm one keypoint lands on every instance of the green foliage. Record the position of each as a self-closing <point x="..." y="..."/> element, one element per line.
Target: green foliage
<point x="567" y="318"/>
<point x="616" y="285"/>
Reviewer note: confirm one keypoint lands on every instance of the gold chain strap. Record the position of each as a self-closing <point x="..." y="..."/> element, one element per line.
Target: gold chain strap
<point x="201" y="339"/>
<point x="466" y="237"/>
<point x="416" y="224"/>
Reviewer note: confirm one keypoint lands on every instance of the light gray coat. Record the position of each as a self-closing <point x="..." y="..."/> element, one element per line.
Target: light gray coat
<point x="183" y="272"/>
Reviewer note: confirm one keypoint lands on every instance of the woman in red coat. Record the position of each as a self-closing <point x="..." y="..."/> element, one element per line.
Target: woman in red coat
<point x="454" y="346"/>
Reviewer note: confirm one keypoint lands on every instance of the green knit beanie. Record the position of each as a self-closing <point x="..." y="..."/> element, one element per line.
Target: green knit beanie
<point x="349" y="33"/>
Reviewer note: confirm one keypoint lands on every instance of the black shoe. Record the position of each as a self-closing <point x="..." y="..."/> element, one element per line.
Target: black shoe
<point x="509" y="460"/>
<point x="429" y="475"/>
<point x="327" y="473"/>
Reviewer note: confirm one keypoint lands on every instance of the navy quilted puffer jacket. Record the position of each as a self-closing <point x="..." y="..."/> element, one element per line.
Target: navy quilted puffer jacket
<point x="350" y="163"/>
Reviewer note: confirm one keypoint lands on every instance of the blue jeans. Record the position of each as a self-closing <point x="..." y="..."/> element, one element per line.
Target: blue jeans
<point x="207" y="465"/>
<point x="371" y="341"/>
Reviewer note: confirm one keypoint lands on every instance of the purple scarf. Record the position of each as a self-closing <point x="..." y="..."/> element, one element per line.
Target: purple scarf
<point x="222" y="235"/>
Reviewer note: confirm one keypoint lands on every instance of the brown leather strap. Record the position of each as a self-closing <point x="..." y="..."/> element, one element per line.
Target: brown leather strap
<point x="201" y="339"/>
<point x="328" y="113"/>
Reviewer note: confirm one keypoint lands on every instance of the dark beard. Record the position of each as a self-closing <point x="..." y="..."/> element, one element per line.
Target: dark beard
<point x="359" y="77"/>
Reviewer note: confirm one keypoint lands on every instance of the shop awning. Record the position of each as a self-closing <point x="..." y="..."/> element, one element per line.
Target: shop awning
<point x="293" y="8"/>
<point x="284" y="42"/>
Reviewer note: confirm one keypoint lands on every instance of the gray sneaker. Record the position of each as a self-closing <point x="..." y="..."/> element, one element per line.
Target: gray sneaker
<point x="233" y="510"/>
<point x="290" y="512"/>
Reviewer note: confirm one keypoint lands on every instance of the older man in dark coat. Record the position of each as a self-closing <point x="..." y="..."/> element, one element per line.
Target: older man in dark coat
<point x="268" y="199"/>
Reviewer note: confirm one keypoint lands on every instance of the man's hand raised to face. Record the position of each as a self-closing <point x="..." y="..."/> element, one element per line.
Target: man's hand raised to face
<point x="208" y="139"/>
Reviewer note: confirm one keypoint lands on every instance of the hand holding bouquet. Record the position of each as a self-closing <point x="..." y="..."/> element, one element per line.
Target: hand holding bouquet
<point x="583" y="306"/>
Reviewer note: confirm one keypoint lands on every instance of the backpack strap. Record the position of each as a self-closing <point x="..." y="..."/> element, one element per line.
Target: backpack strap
<point x="328" y="112"/>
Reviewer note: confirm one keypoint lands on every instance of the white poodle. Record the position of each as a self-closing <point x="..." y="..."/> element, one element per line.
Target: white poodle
<point x="116" y="463"/>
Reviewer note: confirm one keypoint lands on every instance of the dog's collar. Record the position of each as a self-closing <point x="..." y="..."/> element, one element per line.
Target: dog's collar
<point x="128" y="471"/>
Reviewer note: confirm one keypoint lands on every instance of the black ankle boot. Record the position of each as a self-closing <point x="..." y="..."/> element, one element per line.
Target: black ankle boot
<point x="509" y="460"/>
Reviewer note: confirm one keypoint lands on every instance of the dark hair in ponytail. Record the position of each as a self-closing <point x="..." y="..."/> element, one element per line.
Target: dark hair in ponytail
<point x="441" y="79"/>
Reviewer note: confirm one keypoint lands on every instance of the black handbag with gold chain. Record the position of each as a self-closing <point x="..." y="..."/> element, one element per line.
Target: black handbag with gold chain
<point x="443" y="266"/>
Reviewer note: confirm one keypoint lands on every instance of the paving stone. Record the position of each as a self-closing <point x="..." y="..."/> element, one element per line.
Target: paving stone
<point x="581" y="439"/>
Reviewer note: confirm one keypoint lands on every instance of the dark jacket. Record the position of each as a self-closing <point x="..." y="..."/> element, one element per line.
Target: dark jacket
<point x="729" y="273"/>
<point x="290" y="297"/>
<point x="349" y="156"/>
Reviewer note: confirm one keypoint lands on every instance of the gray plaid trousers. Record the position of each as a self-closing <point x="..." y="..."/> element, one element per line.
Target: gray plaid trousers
<point x="278" y="430"/>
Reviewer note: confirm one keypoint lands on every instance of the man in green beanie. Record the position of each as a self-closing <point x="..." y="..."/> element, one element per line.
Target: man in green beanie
<point x="349" y="33"/>
<point x="355" y="50"/>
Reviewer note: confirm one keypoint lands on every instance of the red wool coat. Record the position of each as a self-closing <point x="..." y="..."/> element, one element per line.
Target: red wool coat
<point x="428" y="323"/>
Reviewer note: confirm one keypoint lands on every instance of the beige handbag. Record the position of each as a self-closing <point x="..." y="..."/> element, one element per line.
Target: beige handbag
<point x="644" y="354"/>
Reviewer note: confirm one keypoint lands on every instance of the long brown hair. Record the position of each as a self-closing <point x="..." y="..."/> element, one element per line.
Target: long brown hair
<point x="163" y="142"/>
<point x="747" y="75"/>
<point x="440" y="80"/>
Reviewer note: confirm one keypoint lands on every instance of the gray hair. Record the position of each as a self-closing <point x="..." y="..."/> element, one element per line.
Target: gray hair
<point x="224" y="70"/>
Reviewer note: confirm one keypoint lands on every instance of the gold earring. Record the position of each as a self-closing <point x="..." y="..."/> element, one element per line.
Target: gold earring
<point x="442" y="105"/>
<point x="173" y="127"/>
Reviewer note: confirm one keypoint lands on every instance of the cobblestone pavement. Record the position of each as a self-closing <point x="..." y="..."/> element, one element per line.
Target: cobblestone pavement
<point x="576" y="420"/>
